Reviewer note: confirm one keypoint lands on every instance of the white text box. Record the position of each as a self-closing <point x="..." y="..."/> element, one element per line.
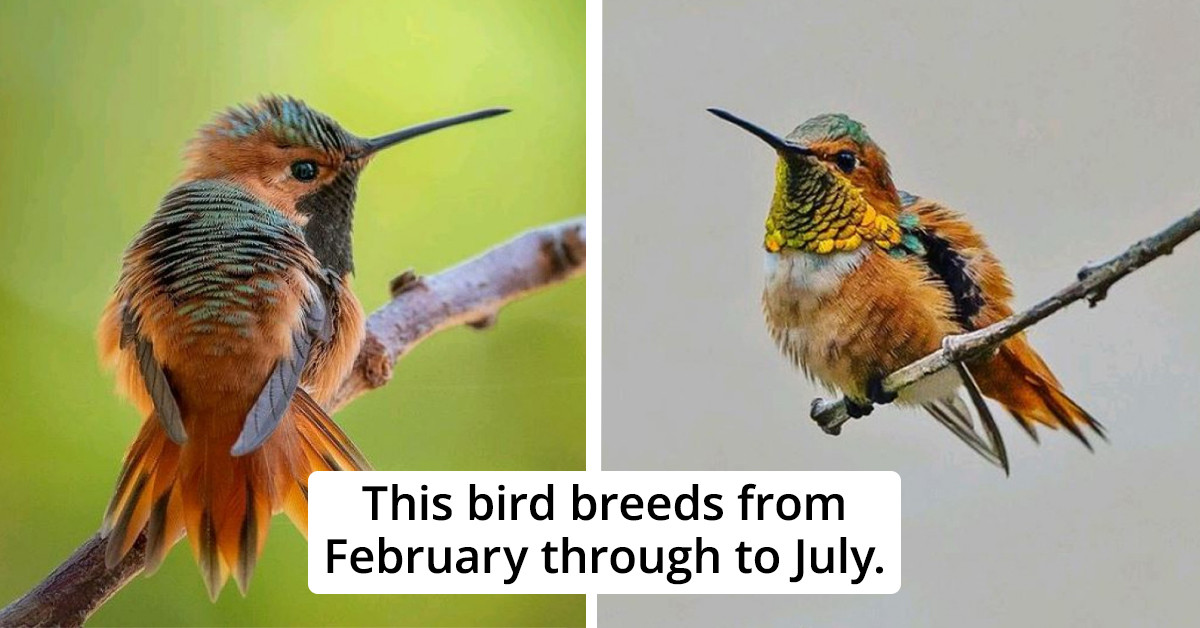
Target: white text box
<point x="665" y="532"/>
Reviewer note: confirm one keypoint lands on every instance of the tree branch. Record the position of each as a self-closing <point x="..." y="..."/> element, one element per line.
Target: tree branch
<point x="470" y="293"/>
<point x="1093" y="283"/>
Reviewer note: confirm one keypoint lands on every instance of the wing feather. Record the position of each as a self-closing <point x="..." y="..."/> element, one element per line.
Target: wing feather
<point x="958" y="257"/>
<point x="155" y="379"/>
<point x="281" y="384"/>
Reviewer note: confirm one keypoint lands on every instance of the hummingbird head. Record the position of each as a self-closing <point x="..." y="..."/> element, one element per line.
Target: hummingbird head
<point x="299" y="161"/>
<point x="833" y="187"/>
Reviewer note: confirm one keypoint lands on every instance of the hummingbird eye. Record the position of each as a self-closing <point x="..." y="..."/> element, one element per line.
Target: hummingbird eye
<point x="305" y="170"/>
<point x="846" y="161"/>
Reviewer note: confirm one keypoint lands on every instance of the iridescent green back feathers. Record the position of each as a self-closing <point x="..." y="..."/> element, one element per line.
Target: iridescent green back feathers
<point x="216" y="252"/>
<point x="909" y="223"/>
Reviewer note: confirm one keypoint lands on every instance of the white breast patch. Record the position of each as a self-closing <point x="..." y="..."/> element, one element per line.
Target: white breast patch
<point x="809" y="272"/>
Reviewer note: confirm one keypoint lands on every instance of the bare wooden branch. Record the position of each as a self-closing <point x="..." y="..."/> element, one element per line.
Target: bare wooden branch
<point x="468" y="294"/>
<point x="76" y="589"/>
<point x="1093" y="283"/>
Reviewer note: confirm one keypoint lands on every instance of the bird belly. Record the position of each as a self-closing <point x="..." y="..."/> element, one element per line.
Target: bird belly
<point x="845" y="318"/>
<point x="797" y="283"/>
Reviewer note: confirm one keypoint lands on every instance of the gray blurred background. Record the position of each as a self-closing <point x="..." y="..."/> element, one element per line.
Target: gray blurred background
<point x="1065" y="132"/>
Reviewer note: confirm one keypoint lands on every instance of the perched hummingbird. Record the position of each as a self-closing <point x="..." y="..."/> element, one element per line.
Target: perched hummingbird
<point x="231" y="326"/>
<point x="862" y="279"/>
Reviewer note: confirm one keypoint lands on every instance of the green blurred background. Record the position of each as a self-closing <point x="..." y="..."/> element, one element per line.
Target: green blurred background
<point x="96" y="102"/>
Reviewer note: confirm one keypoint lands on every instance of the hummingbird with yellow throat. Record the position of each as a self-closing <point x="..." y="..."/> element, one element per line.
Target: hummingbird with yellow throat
<point x="231" y="327"/>
<point x="863" y="279"/>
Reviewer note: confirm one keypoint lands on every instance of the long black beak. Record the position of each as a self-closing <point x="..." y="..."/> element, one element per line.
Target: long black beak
<point x="774" y="141"/>
<point x="377" y="144"/>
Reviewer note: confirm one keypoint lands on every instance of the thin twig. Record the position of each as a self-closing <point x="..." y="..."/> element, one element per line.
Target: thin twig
<point x="468" y="294"/>
<point x="1093" y="283"/>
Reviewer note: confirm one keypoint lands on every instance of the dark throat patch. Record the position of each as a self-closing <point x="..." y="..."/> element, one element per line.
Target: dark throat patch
<point x="331" y="214"/>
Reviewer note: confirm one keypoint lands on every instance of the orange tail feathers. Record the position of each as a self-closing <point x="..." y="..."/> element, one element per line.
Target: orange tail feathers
<point x="223" y="503"/>
<point x="1019" y="379"/>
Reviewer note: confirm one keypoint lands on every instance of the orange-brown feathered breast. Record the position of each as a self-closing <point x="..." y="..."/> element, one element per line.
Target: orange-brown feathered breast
<point x="846" y="317"/>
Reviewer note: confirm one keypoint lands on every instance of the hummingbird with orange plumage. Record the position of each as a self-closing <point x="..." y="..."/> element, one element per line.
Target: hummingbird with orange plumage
<point x="230" y="328"/>
<point x="862" y="279"/>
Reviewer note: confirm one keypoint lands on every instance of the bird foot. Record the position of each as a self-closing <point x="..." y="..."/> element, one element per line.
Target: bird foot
<point x="876" y="392"/>
<point x="857" y="409"/>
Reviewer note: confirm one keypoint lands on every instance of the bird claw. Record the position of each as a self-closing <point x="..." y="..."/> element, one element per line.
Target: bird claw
<point x="876" y="392"/>
<point x="857" y="410"/>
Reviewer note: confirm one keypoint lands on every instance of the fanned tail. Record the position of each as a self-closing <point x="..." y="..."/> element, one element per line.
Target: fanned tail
<point x="223" y="503"/>
<point x="1019" y="379"/>
<point x="322" y="446"/>
<point x="145" y="490"/>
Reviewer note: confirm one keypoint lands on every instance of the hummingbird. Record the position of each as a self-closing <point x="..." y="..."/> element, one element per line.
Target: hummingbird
<point x="231" y="326"/>
<point x="863" y="279"/>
